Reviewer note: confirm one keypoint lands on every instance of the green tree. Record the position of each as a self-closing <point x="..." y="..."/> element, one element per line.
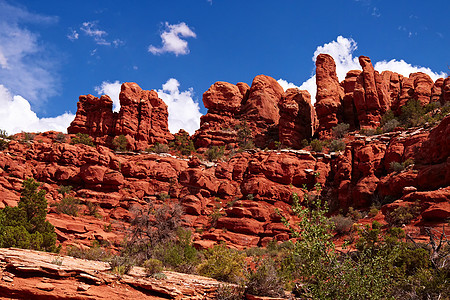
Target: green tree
<point x="25" y="226"/>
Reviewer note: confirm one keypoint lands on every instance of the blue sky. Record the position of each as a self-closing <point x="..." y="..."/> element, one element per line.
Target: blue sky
<point x="53" y="51"/>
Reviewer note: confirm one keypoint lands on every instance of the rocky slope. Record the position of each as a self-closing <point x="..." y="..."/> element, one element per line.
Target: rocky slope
<point x="236" y="198"/>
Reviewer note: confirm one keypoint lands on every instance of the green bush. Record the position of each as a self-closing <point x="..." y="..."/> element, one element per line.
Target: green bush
<point x="92" y="253"/>
<point x="214" y="153"/>
<point x="25" y="226"/>
<point x="402" y="215"/>
<point x="337" y="145"/>
<point x="120" y="265"/>
<point x="317" y="145"/>
<point x="3" y="134"/>
<point x="230" y="292"/>
<point x="3" y="144"/>
<point x="60" y="137"/>
<point x="120" y="143"/>
<point x="244" y="136"/>
<point x="28" y="136"/>
<point x="340" y="130"/>
<point x="68" y="205"/>
<point x="183" y="143"/>
<point x="222" y="264"/>
<point x="163" y="196"/>
<point x="92" y="209"/>
<point x="82" y="138"/>
<point x="412" y="114"/>
<point x="153" y="266"/>
<point x="387" y="117"/>
<point x="396" y="166"/>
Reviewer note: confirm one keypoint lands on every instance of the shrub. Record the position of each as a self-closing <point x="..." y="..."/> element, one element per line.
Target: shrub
<point x="92" y="253"/>
<point x="337" y="145"/>
<point x="396" y="166"/>
<point x="317" y="145"/>
<point x="60" y="137"/>
<point x="25" y="225"/>
<point x="214" y="153"/>
<point x="3" y="144"/>
<point x="373" y="212"/>
<point x="264" y="281"/>
<point x="354" y="214"/>
<point x="120" y="143"/>
<point x="160" y="148"/>
<point x="250" y="197"/>
<point x="120" y="265"/>
<point x="340" y="130"/>
<point x="222" y="264"/>
<point x="304" y="143"/>
<point x="82" y="138"/>
<point x="163" y="196"/>
<point x="244" y="136"/>
<point x="387" y="117"/>
<point x="230" y="292"/>
<point x="402" y="215"/>
<point x="183" y="143"/>
<point x="64" y="189"/>
<point x="3" y="134"/>
<point x="391" y="125"/>
<point x="92" y="209"/>
<point x="342" y="224"/>
<point x="28" y="136"/>
<point x="153" y="266"/>
<point x="412" y="114"/>
<point x="367" y="131"/>
<point x="68" y="205"/>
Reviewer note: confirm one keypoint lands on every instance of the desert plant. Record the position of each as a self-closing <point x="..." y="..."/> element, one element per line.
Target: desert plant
<point x="391" y="125"/>
<point x="402" y="215"/>
<point x="82" y="138"/>
<point x="3" y="144"/>
<point x="265" y="281"/>
<point x="373" y="212"/>
<point x="230" y="292"/>
<point x="337" y="145"/>
<point x="120" y="264"/>
<point x="64" y="189"/>
<point x="92" y="253"/>
<point x="160" y="148"/>
<point x="412" y="114"/>
<point x="214" y="153"/>
<point x="25" y="225"/>
<point x="92" y="209"/>
<point x="163" y="196"/>
<point x="244" y="136"/>
<point x="354" y="214"/>
<point x="317" y="145"/>
<point x="60" y="137"/>
<point x="396" y="166"/>
<point x="153" y="266"/>
<point x="68" y="205"/>
<point x="183" y="143"/>
<point x="342" y="224"/>
<point x="3" y="134"/>
<point x="222" y="264"/>
<point x="340" y="130"/>
<point x="120" y="143"/>
<point x="304" y="143"/>
<point x="28" y="136"/>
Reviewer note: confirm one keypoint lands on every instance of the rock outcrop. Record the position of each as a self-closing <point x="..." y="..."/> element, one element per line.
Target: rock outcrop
<point x="142" y="118"/>
<point x="329" y="95"/>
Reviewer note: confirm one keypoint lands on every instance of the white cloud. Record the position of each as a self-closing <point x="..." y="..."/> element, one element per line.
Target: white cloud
<point x="73" y="35"/>
<point x="16" y="116"/>
<point x="404" y="68"/>
<point x="91" y="29"/>
<point x="27" y="66"/>
<point x="171" y="41"/>
<point x="342" y="50"/>
<point x="285" y="84"/>
<point x="112" y="89"/>
<point x="184" y="112"/>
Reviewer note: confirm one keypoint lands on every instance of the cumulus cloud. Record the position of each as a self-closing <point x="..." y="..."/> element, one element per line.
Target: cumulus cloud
<point x="285" y="84"/>
<point x="342" y="50"/>
<point x="16" y="116"/>
<point x="112" y="89"/>
<point x="172" y="41"/>
<point x="404" y="68"/>
<point x="184" y="112"/>
<point x="26" y="65"/>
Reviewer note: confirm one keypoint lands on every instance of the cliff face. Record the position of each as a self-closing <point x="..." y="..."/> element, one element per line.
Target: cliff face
<point x="245" y="188"/>
<point x="142" y="118"/>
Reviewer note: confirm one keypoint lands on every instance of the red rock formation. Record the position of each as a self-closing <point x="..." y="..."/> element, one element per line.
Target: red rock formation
<point x="298" y="119"/>
<point x="329" y="94"/>
<point x="422" y="87"/>
<point x="349" y="115"/>
<point x="366" y="98"/>
<point x="94" y="116"/>
<point x="436" y="91"/>
<point x="446" y="91"/>
<point x="142" y="118"/>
